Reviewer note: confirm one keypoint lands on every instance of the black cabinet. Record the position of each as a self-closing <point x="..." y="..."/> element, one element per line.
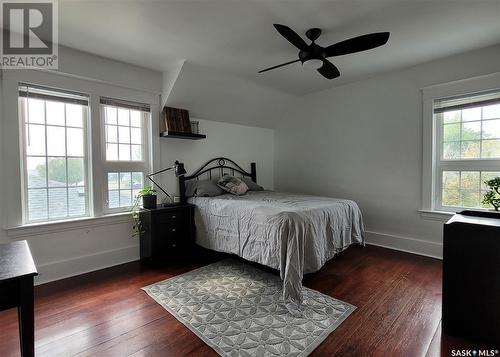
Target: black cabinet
<point x="167" y="232"/>
<point x="471" y="277"/>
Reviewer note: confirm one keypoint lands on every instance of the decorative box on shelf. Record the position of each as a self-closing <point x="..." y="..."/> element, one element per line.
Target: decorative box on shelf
<point x="175" y="123"/>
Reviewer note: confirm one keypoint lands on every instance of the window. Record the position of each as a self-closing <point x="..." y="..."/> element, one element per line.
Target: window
<point x="467" y="149"/>
<point x="73" y="166"/>
<point x="125" y="156"/>
<point x="54" y="137"/>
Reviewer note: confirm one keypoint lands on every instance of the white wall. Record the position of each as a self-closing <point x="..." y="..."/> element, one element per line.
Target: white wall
<point x="363" y="141"/>
<point x="243" y="144"/>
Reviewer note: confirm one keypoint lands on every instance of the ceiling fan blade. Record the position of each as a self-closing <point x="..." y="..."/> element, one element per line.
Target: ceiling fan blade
<point x="328" y="70"/>
<point x="291" y="36"/>
<point x="279" y="65"/>
<point x="357" y="44"/>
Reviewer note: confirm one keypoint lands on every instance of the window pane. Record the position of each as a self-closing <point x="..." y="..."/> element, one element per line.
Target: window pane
<point x="137" y="180"/>
<point x="76" y="201"/>
<point x="124" y="152"/>
<point x="55" y="113"/>
<point x="470" y="149"/>
<point x="76" y="171"/>
<point x="451" y="117"/>
<point x="75" y="142"/>
<point x="470" y="199"/>
<point x="451" y="180"/>
<point x="113" y="181"/>
<point x="491" y="112"/>
<point x="135" y="118"/>
<point x="37" y="174"/>
<point x="136" y="153"/>
<point x="451" y="150"/>
<point x="56" y="141"/>
<point x="57" y="171"/>
<point x="124" y="134"/>
<point x="488" y="175"/>
<point x="111" y="133"/>
<point x="125" y="198"/>
<point x="469" y="180"/>
<point x="35" y="139"/>
<point x="471" y="130"/>
<point x="74" y="115"/>
<point x="36" y="111"/>
<point x="110" y="114"/>
<point x="37" y="204"/>
<point x="111" y="152"/>
<point x="491" y="149"/>
<point x="451" y="132"/>
<point x="491" y="129"/>
<point x="113" y="199"/>
<point x="471" y="114"/>
<point x="58" y="202"/>
<point x="125" y="180"/>
<point x="451" y="198"/>
<point x="136" y="136"/>
<point x="123" y="117"/>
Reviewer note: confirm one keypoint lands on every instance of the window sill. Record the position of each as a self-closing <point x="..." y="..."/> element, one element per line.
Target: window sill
<point x="432" y="215"/>
<point x="67" y="225"/>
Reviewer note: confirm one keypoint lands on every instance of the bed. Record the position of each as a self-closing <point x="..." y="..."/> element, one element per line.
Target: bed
<point x="295" y="234"/>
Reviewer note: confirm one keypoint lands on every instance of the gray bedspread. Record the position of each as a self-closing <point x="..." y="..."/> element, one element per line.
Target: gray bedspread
<point x="295" y="234"/>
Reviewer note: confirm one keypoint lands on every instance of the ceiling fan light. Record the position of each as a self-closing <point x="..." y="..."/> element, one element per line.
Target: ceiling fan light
<point x="312" y="63"/>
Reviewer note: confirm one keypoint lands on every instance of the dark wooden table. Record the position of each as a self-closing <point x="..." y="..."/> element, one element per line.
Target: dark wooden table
<point x="17" y="271"/>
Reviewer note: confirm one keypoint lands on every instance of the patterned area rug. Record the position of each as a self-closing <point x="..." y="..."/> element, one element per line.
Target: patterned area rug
<point x="238" y="311"/>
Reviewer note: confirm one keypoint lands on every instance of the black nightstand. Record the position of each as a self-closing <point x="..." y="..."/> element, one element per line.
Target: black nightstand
<point x="168" y="232"/>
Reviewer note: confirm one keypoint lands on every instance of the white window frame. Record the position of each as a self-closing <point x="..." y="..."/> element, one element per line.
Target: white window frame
<point x="143" y="166"/>
<point x="432" y="167"/>
<point x="24" y="155"/>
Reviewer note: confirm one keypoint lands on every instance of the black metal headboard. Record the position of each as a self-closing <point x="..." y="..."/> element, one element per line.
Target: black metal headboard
<point x="218" y="166"/>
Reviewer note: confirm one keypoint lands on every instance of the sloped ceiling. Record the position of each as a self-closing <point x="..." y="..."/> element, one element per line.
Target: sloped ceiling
<point x="213" y="95"/>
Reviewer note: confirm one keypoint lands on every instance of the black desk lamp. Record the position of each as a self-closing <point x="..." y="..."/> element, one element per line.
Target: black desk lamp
<point x="179" y="171"/>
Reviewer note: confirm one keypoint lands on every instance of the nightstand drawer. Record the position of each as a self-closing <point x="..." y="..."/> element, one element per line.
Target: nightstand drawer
<point x="176" y="217"/>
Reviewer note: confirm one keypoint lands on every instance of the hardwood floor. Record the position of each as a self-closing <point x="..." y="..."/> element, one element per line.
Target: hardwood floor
<point x="105" y="313"/>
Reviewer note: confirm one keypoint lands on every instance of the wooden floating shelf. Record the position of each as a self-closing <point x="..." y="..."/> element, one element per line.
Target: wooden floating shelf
<point x="181" y="135"/>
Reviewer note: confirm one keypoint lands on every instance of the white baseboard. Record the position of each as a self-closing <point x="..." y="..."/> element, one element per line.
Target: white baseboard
<point x="405" y="244"/>
<point x="79" y="265"/>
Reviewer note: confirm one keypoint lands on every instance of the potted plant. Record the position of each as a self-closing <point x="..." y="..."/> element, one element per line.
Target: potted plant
<point x="148" y="197"/>
<point x="492" y="197"/>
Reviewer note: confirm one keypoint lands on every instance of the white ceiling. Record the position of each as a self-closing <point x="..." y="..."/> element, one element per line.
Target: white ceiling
<point x="237" y="36"/>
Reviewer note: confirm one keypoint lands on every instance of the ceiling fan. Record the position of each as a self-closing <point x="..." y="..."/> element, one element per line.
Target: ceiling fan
<point x="315" y="56"/>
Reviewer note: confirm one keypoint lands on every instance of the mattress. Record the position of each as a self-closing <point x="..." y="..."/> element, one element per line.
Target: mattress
<point x="295" y="234"/>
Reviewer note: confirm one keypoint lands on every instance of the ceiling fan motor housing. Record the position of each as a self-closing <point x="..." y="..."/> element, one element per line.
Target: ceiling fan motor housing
<point x="313" y="52"/>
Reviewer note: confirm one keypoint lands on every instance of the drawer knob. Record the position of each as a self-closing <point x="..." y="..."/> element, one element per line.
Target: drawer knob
<point x="174" y="229"/>
<point x="174" y="217"/>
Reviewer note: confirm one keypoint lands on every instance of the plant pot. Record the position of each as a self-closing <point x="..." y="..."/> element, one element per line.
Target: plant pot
<point x="149" y="201"/>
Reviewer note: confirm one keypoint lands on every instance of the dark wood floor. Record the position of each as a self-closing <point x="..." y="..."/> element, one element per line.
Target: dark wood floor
<point x="105" y="313"/>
